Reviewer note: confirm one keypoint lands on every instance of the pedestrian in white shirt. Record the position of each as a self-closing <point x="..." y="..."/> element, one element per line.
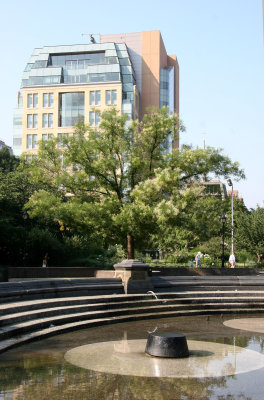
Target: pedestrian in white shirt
<point x="232" y="260"/>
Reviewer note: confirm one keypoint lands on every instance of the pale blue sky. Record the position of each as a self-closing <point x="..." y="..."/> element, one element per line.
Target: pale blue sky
<point x="219" y="45"/>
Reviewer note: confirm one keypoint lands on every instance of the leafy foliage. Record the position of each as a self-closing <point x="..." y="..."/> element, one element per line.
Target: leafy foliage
<point x="119" y="182"/>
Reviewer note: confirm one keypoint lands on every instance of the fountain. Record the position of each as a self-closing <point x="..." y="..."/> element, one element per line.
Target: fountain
<point x="113" y="363"/>
<point x="171" y="345"/>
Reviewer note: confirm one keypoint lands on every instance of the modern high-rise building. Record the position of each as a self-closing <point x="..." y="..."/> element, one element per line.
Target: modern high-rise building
<point x="62" y="85"/>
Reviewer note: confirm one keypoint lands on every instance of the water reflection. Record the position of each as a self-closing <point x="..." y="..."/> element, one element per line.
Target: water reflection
<point x="38" y="371"/>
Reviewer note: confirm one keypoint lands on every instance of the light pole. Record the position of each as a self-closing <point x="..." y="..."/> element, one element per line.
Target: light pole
<point x="25" y="217"/>
<point x="223" y="219"/>
<point x="229" y="182"/>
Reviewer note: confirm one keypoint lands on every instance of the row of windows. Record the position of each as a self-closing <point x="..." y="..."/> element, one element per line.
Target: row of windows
<point x="94" y="119"/>
<point x="32" y="139"/>
<point x="47" y="120"/>
<point x="71" y="108"/>
<point x="32" y="100"/>
<point x="110" y="97"/>
<point x="94" y="98"/>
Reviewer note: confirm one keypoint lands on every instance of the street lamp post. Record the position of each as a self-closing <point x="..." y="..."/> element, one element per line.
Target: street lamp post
<point x="25" y="217"/>
<point x="223" y="219"/>
<point x="230" y="183"/>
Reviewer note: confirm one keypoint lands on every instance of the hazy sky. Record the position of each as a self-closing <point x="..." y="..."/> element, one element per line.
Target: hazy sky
<point x="219" y="46"/>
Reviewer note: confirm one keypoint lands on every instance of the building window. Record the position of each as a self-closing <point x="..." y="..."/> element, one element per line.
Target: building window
<point x="110" y="97"/>
<point x="47" y="120"/>
<point x="35" y="100"/>
<point x="61" y="138"/>
<point x="32" y="100"/>
<point x="29" y="100"/>
<point x="32" y="121"/>
<point x="32" y="141"/>
<point x="47" y="136"/>
<point x="95" y="98"/>
<point x="92" y="99"/>
<point x="47" y="99"/>
<point x="35" y="120"/>
<point x="71" y="109"/>
<point x="94" y="118"/>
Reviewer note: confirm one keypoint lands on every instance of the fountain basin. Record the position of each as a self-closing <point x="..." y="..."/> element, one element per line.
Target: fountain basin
<point x="168" y="345"/>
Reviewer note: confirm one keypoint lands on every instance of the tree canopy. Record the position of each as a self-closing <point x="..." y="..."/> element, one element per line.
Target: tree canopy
<point x="118" y="181"/>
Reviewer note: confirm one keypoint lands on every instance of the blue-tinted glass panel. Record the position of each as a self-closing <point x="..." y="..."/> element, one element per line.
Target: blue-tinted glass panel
<point x="29" y="121"/>
<point x="50" y="120"/>
<point x="51" y="99"/>
<point x="44" y="120"/>
<point x="114" y="96"/>
<point x="72" y="60"/>
<point x="29" y="100"/>
<point x="35" y="120"/>
<point x="108" y="97"/>
<point x="34" y="141"/>
<point x="91" y="117"/>
<point x="92" y="98"/>
<point x="45" y="99"/>
<point x="97" y="118"/>
<point x="35" y="100"/>
<point x="97" y="97"/>
<point x="29" y="141"/>
<point x="71" y="108"/>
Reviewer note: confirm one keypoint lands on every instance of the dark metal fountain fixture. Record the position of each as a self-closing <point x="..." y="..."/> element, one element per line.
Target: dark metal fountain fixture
<point x="169" y="345"/>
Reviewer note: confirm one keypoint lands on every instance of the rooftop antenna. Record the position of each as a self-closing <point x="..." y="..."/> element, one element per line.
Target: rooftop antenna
<point x="92" y="39"/>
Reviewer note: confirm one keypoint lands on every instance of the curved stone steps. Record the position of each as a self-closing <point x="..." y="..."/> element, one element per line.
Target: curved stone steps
<point x="20" y="326"/>
<point x="72" y="326"/>
<point x="46" y="289"/>
<point x="22" y="312"/>
<point x="27" y="320"/>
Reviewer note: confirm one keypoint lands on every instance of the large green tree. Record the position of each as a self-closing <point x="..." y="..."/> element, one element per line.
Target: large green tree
<point x="249" y="232"/>
<point x="118" y="181"/>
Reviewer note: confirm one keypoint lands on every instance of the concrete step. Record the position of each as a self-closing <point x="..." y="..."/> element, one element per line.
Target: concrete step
<point x="18" y="326"/>
<point x="17" y="291"/>
<point x="26" y="313"/>
<point x="12" y="342"/>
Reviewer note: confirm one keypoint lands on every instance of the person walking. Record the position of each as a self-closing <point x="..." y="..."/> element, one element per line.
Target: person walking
<point x="232" y="260"/>
<point x="198" y="259"/>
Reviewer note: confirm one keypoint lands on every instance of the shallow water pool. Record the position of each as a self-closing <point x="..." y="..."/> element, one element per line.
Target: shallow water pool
<point x="39" y="370"/>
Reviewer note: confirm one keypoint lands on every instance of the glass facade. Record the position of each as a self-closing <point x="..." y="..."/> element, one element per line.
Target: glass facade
<point x="78" y="60"/>
<point x="71" y="108"/>
<point x="41" y="80"/>
<point x="167" y="88"/>
<point x="92" y="77"/>
<point x="167" y="97"/>
<point x="75" y="65"/>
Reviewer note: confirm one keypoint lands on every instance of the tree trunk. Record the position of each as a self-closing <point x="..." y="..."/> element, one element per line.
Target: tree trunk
<point x="130" y="247"/>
